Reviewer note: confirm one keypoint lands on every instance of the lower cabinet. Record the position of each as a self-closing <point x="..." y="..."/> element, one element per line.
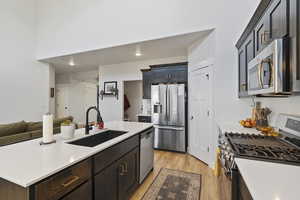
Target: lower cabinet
<point x="83" y="192"/>
<point x="128" y="176"/>
<point x="112" y="174"/>
<point x="119" y="180"/>
<point x="146" y="119"/>
<point x="71" y="181"/>
<point x="106" y="183"/>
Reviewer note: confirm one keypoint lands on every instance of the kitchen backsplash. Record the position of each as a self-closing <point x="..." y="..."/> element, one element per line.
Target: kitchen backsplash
<point x="146" y="106"/>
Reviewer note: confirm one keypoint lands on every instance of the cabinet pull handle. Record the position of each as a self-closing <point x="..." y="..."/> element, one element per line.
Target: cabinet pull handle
<point x="243" y="86"/>
<point x="126" y="168"/>
<point x="71" y="181"/>
<point x="263" y="37"/>
<point x="122" y="169"/>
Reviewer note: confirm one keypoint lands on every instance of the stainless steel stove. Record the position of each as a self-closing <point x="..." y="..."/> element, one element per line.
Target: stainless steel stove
<point x="265" y="148"/>
<point x="285" y="149"/>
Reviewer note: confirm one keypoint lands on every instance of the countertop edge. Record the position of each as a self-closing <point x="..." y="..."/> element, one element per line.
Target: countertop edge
<point x="112" y="143"/>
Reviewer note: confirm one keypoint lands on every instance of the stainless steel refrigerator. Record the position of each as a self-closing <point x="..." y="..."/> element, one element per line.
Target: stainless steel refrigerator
<point x="168" y="116"/>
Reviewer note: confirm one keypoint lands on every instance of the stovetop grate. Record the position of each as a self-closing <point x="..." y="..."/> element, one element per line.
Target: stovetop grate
<point x="261" y="147"/>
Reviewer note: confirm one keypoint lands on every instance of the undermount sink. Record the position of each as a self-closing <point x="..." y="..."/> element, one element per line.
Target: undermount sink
<point x="98" y="138"/>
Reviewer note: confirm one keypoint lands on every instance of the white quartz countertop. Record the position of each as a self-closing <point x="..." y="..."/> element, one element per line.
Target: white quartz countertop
<point x="270" y="181"/>
<point x="27" y="162"/>
<point x="237" y="128"/>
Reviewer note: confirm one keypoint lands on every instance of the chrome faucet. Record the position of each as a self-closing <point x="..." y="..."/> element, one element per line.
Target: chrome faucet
<point x="99" y="118"/>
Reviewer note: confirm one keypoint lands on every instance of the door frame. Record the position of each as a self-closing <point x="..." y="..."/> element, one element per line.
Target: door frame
<point x="57" y="87"/>
<point x="196" y="67"/>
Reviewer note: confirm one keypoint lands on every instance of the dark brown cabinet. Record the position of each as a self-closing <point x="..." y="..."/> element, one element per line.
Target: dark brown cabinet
<point x="243" y="191"/>
<point x="146" y="119"/>
<point x="82" y="192"/>
<point x="128" y="176"/>
<point x="272" y="25"/>
<point x="271" y="21"/>
<point x="119" y="180"/>
<point x="242" y="73"/>
<point x="295" y="42"/>
<point x="64" y="182"/>
<point x="116" y="170"/>
<point x="260" y="33"/>
<point x="147" y="75"/>
<point x="276" y="20"/>
<point x="106" y="183"/>
<point x="246" y="54"/>
<point x="167" y="73"/>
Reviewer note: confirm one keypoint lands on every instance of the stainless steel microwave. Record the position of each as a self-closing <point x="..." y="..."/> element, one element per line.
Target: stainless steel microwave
<point x="268" y="72"/>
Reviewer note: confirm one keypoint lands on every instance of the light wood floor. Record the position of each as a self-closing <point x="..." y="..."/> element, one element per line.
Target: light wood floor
<point x="184" y="162"/>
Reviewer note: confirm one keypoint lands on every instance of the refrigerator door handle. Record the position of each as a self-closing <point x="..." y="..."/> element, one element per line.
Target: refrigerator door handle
<point x="170" y="128"/>
<point x="166" y="109"/>
<point x="169" y="104"/>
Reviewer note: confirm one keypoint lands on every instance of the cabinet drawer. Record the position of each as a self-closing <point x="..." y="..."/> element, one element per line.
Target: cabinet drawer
<point x="64" y="182"/>
<point x="146" y="119"/>
<point x="106" y="157"/>
<point x="83" y="192"/>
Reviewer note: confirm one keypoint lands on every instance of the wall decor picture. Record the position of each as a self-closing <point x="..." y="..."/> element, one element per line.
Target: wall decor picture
<point x="110" y="87"/>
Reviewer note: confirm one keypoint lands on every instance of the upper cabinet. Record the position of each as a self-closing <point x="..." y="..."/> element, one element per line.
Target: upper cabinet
<point x="166" y="73"/>
<point x="147" y="75"/>
<point x="294" y="34"/>
<point x="277" y="20"/>
<point x="272" y="25"/>
<point x="260" y="33"/>
<point x="271" y="20"/>
<point x="246" y="54"/>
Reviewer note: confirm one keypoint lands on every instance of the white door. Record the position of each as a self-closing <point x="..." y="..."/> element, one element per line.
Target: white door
<point x="62" y="102"/>
<point x="199" y="113"/>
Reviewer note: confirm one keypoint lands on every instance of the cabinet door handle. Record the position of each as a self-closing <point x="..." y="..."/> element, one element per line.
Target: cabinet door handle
<point x="71" y="181"/>
<point x="126" y="167"/>
<point x="122" y="169"/>
<point x="243" y="86"/>
<point x="263" y="37"/>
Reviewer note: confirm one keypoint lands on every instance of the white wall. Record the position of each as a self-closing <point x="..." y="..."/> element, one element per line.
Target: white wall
<point x="134" y="93"/>
<point x="110" y="107"/>
<point x="82" y="26"/>
<point x="79" y="88"/>
<point x="51" y="84"/>
<point x="24" y="82"/>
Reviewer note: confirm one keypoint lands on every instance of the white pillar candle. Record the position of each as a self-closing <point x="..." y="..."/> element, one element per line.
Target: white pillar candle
<point x="48" y="128"/>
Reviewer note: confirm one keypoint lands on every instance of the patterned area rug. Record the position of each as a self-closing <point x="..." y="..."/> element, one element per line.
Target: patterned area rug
<point x="174" y="185"/>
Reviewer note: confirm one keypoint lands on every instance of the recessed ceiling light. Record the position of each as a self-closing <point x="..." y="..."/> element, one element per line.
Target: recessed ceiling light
<point x="138" y="50"/>
<point x="71" y="63"/>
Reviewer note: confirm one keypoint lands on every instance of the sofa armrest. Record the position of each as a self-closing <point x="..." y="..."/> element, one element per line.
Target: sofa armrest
<point x="11" y="139"/>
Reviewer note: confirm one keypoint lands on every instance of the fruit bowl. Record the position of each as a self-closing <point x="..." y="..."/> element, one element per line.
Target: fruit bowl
<point x="248" y="123"/>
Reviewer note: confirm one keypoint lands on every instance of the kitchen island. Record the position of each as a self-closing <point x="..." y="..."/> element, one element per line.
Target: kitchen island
<point x="29" y="171"/>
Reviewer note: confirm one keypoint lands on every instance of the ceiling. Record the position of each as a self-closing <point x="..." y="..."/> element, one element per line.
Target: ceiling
<point x="153" y="49"/>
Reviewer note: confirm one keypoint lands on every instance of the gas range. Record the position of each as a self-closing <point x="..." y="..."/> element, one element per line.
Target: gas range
<point x="266" y="148"/>
<point x="285" y="150"/>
